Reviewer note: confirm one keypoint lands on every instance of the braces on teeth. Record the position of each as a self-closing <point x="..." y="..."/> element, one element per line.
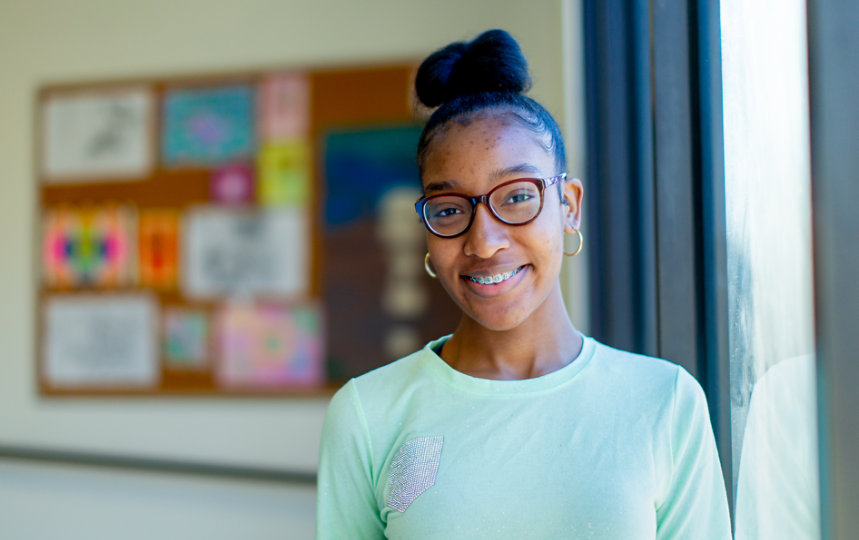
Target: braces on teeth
<point x="497" y="278"/>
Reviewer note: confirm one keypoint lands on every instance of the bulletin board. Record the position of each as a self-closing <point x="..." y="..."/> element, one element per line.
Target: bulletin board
<point x="236" y="235"/>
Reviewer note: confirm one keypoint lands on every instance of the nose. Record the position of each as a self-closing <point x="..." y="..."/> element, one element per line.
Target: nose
<point x="486" y="236"/>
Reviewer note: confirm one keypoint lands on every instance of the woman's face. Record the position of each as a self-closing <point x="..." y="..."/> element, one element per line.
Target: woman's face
<point x="472" y="159"/>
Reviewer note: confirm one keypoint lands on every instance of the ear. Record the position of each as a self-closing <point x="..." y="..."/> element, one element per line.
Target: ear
<point x="571" y="197"/>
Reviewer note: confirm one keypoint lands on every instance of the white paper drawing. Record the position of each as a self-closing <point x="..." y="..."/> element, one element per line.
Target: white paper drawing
<point x="100" y="341"/>
<point x="97" y="135"/>
<point x="244" y="253"/>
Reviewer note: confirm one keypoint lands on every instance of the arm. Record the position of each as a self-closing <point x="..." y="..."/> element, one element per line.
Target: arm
<point x="346" y="504"/>
<point x="695" y="505"/>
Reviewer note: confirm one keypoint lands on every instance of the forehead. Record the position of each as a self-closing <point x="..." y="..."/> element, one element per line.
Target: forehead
<point x="481" y="146"/>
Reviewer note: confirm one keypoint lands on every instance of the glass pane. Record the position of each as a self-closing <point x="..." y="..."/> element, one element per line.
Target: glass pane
<point x="773" y="402"/>
<point x="448" y="215"/>
<point x="517" y="202"/>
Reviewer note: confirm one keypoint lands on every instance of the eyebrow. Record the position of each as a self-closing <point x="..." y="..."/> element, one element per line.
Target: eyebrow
<point x="498" y="173"/>
<point x="515" y="169"/>
<point x="438" y="186"/>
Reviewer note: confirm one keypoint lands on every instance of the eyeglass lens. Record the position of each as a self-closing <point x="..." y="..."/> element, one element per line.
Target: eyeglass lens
<point x="513" y="203"/>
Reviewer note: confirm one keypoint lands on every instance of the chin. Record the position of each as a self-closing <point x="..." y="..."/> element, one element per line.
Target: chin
<point x="495" y="321"/>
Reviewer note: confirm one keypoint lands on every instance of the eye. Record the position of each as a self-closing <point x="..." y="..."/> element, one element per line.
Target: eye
<point x="519" y="197"/>
<point x="446" y="208"/>
<point x="446" y="212"/>
<point x="516" y="195"/>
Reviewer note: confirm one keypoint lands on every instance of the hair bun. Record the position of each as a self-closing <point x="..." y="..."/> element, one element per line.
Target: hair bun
<point x="491" y="62"/>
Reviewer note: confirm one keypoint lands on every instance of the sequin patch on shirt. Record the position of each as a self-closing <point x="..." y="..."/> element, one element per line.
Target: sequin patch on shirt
<point x="413" y="471"/>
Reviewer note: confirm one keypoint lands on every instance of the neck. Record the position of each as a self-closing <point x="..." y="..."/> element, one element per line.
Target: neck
<point x="545" y="342"/>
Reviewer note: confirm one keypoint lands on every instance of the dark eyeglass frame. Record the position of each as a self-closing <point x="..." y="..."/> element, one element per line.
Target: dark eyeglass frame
<point x="541" y="183"/>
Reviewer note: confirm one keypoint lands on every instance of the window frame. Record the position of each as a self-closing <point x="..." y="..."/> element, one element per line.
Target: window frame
<point x="655" y="178"/>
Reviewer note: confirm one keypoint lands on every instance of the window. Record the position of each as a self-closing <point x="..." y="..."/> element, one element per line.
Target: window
<point x="769" y="269"/>
<point x="698" y="143"/>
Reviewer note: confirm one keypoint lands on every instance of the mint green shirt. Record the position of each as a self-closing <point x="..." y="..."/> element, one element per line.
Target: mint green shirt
<point x="612" y="446"/>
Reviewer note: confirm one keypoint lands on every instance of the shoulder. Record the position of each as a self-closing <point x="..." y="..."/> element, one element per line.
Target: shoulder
<point x="644" y="371"/>
<point x="662" y="386"/>
<point x="375" y="391"/>
<point x="387" y="382"/>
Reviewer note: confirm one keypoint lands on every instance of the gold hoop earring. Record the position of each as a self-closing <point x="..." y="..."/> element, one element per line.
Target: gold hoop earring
<point x="430" y="273"/>
<point x="578" y="249"/>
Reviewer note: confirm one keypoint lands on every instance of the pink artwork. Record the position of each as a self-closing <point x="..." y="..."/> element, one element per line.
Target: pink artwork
<point x="233" y="184"/>
<point x="269" y="346"/>
<point x="284" y="107"/>
<point x="89" y="247"/>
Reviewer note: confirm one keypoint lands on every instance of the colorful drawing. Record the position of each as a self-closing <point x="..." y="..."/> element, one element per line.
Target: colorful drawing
<point x="159" y="248"/>
<point x="230" y="252"/>
<point x="186" y="334"/>
<point x="284" y="171"/>
<point x="269" y="346"/>
<point x="284" y="103"/>
<point x="233" y="184"/>
<point x="105" y="135"/>
<point x="88" y="247"/>
<point x="100" y="340"/>
<point x="208" y="126"/>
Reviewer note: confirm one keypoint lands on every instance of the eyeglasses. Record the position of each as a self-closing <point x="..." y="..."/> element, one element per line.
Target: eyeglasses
<point x="517" y="202"/>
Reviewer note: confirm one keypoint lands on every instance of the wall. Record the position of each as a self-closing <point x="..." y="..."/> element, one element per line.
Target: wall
<point x="50" y="503"/>
<point x="52" y="41"/>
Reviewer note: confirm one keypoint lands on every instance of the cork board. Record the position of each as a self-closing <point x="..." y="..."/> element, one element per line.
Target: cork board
<point x="240" y="234"/>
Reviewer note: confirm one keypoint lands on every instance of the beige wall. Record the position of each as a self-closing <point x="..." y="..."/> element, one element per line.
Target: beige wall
<point x="51" y="41"/>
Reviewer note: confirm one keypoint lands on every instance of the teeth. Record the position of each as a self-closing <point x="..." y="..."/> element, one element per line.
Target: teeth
<point x="497" y="278"/>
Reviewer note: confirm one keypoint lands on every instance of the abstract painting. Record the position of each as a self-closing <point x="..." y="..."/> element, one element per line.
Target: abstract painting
<point x="208" y="126"/>
<point x="268" y="345"/>
<point x="84" y="247"/>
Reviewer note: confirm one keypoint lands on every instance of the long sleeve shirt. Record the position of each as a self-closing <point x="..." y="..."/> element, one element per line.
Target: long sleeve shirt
<point x="611" y="446"/>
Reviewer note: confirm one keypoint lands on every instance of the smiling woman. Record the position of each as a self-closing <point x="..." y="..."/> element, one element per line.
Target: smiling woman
<point x="481" y="157"/>
<point x="516" y="425"/>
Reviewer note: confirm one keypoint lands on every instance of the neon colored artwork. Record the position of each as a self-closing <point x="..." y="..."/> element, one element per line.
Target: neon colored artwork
<point x="159" y="248"/>
<point x="88" y="247"/>
<point x="284" y="174"/>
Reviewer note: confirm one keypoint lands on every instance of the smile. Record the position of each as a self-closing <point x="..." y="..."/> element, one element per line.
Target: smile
<point x="495" y="279"/>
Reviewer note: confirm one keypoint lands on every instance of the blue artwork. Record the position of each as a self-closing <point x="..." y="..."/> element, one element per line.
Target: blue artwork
<point x="362" y="165"/>
<point x="208" y="126"/>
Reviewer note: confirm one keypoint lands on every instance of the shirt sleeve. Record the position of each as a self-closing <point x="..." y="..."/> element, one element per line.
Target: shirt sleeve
<point x="696" y="504"/>
<point x="346" y="504"/>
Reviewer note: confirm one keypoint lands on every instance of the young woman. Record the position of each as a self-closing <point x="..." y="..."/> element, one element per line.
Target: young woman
<point x="515" y="426"/>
